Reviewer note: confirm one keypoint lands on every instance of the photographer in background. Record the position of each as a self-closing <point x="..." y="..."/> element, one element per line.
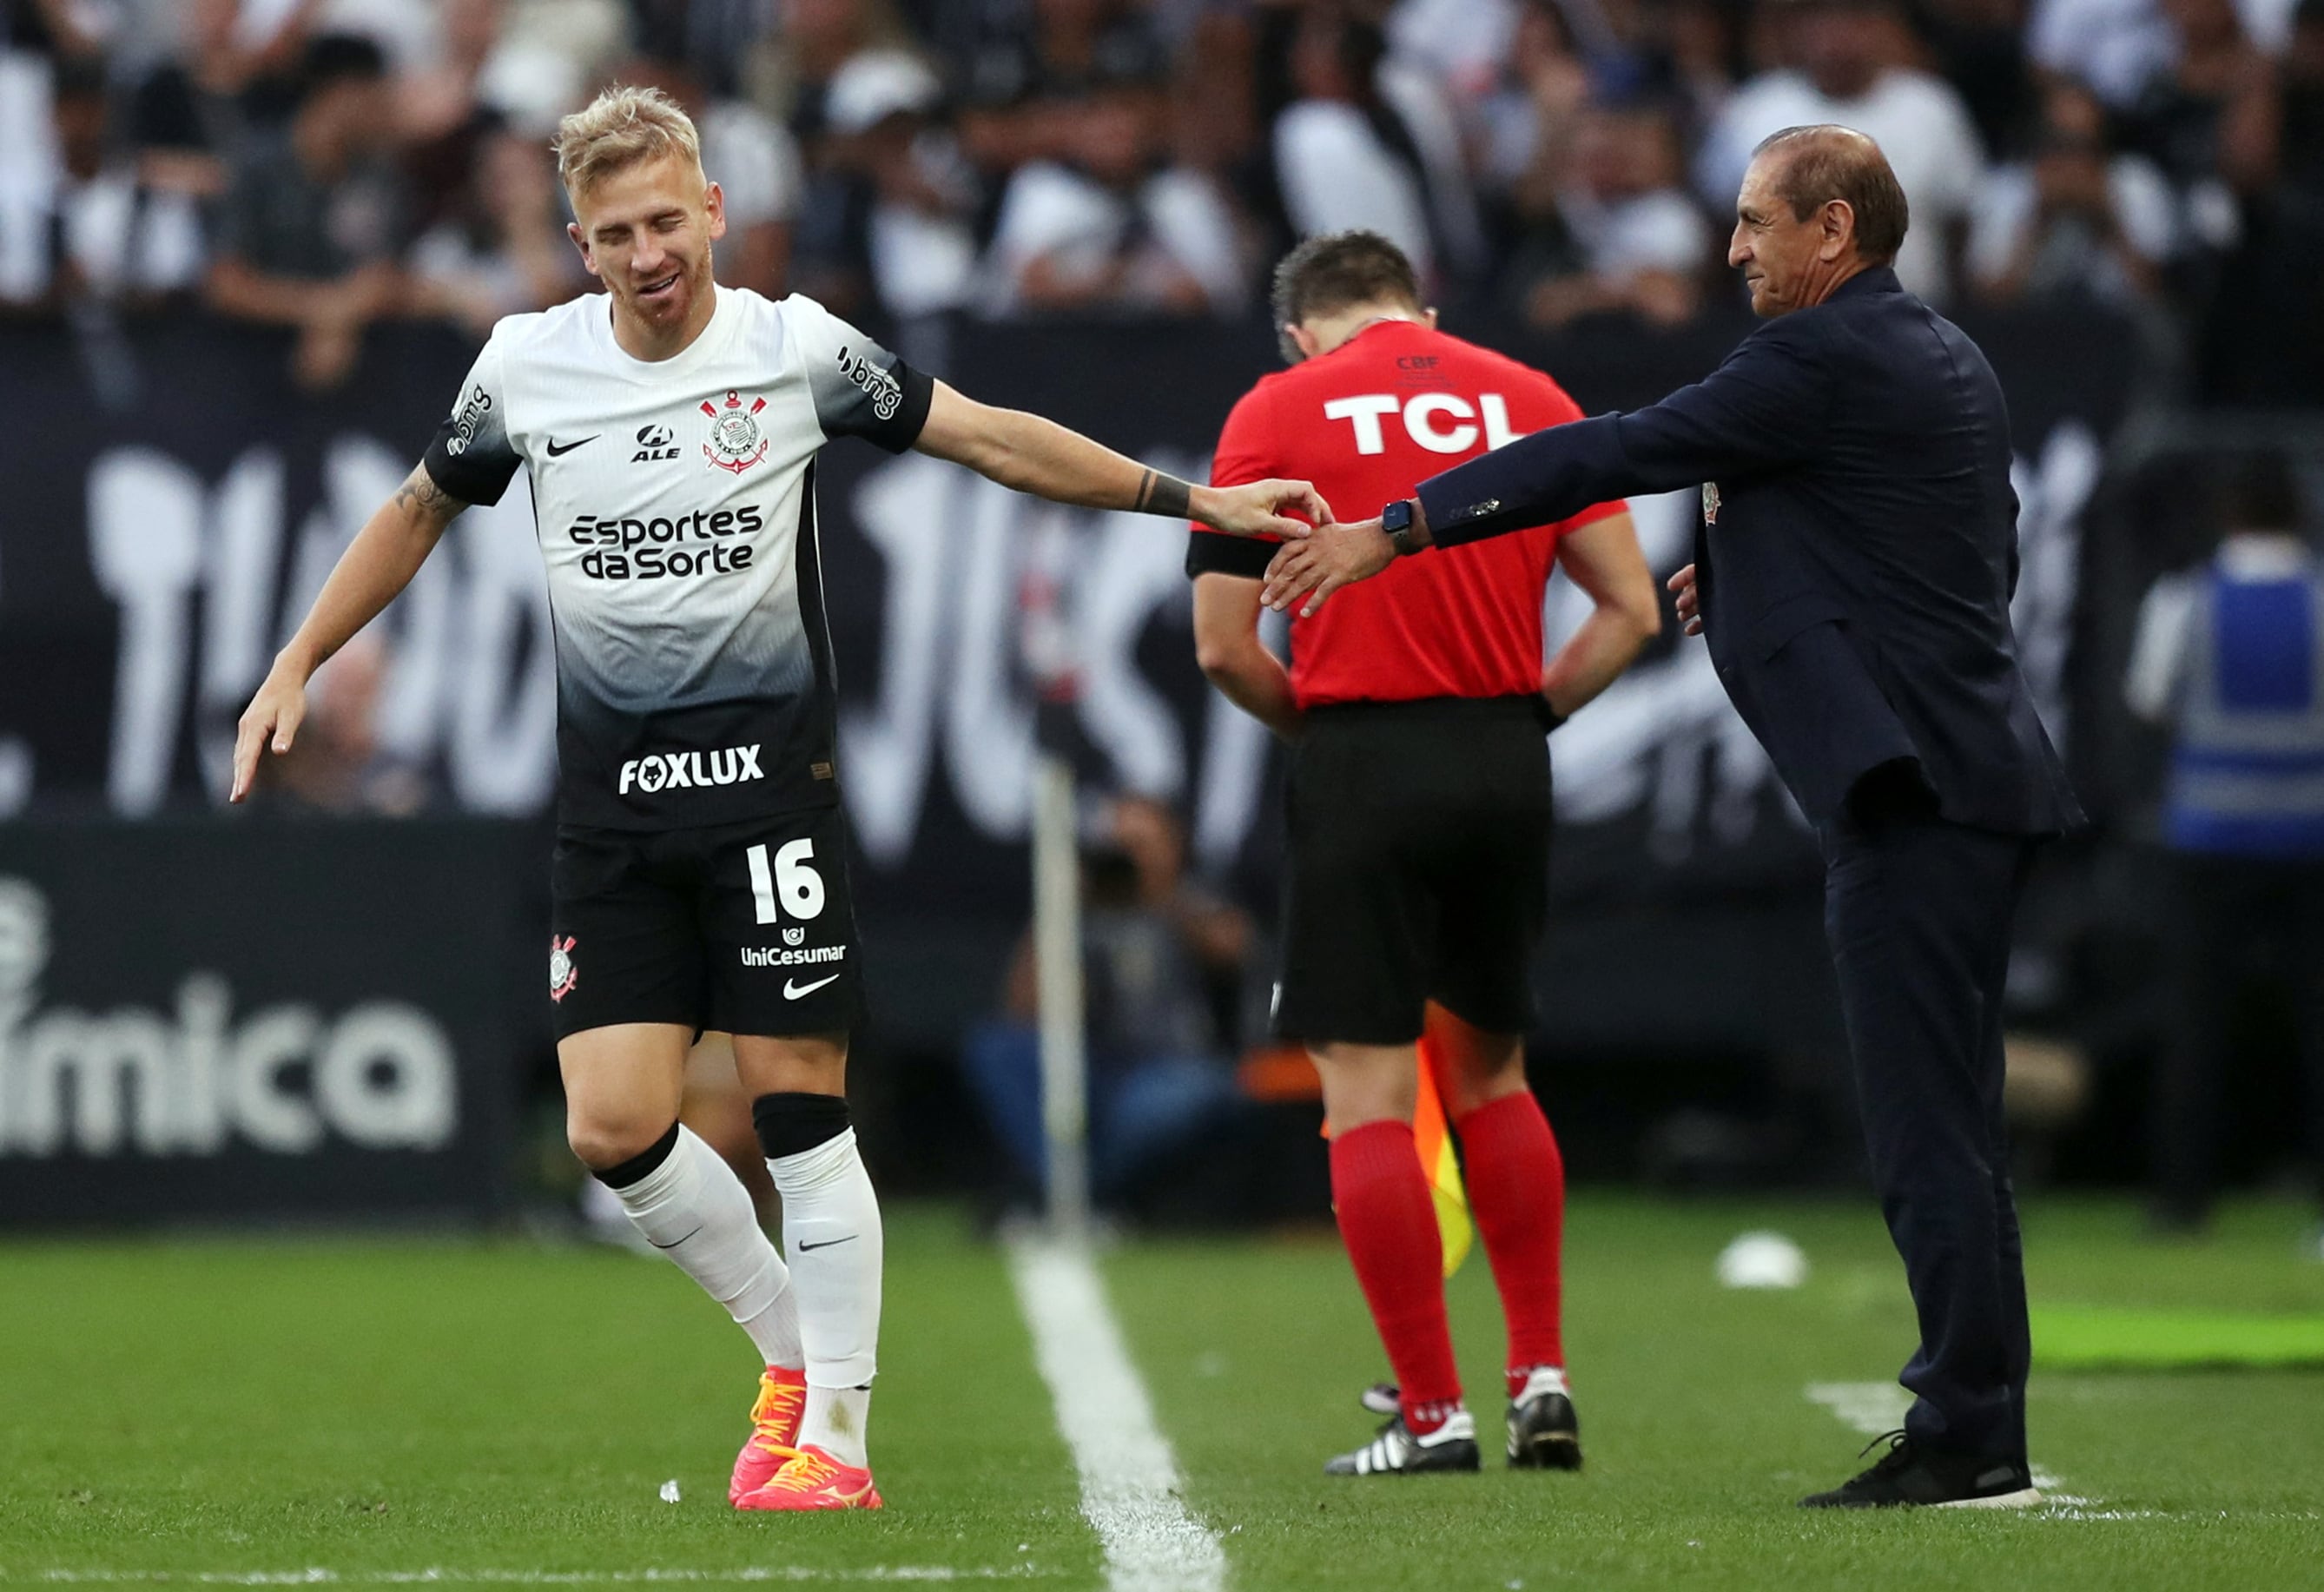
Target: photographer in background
<point x="1164" y="962"/>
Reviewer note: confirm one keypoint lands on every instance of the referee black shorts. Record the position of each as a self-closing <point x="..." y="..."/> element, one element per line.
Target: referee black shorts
<point x="1418" y="868"/>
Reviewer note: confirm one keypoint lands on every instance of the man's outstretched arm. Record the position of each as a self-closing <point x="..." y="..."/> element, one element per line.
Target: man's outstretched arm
<point x="1762" y="410"/>
<point x="1035" y="455"/>
<point x="377" y="565"/>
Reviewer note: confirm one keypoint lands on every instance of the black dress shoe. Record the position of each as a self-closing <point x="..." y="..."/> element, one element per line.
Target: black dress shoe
<point x="1908" y="1475"/>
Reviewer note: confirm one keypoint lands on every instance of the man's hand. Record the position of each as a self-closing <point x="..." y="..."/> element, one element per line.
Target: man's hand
<point x="1690" y="604"/>
<point x="1330" y="557"/>
<point x="270" y="723"/>
<point x="1260" y="509"/>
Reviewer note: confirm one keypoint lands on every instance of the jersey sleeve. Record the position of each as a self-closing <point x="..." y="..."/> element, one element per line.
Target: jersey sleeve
<point x="1246" y="453"/>
<point x="860" y="388"/>
<point x="471" y="455"/>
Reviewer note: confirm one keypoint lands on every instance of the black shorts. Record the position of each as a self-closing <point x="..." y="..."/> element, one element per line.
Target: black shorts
<point x="1417" y="869"/>
<point x="746" y="928"/>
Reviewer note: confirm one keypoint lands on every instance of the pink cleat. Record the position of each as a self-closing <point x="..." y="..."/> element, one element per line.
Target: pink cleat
<point x="812" y="1479"/>
<point x="774" y="1432"/>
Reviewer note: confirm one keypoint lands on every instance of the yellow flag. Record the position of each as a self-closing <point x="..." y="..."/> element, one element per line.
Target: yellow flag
<point x="1441" y="1166"/>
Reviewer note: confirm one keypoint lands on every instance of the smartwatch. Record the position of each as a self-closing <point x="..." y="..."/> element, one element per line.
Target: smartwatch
<point x="1396" y="521"/>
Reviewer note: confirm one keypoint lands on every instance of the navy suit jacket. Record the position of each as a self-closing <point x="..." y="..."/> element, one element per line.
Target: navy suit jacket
<point x="1858" y="551"/>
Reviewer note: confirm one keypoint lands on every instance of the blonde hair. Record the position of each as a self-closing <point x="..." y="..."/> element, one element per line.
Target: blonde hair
<point x="622" y="126"/>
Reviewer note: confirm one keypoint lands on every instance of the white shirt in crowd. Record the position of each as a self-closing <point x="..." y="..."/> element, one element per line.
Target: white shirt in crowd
<point x="2116" y="47"/>
<point x="754" y="161"/>
<point x="1463" y="41"/>
<point x="1919" y="123"/>
<point x="2143" y="206"/>
<point x="1336" y="175"/>
<point x="121" y="239"/>
<point x="1658" y="231"/>
<point x="922" y="263"/>
<point x="1420" y="101"/>
<point x="1054" y="212"/>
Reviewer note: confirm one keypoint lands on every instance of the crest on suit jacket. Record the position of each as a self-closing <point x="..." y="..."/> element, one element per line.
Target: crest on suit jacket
<point x="1710" y="503"/>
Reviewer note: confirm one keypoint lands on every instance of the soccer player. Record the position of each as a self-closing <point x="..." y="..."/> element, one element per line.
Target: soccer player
<point x="700" y="880"/>
<point x="1416" y="883"/>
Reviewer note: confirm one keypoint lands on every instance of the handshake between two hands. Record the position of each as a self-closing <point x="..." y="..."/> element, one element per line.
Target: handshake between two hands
<point x="1319" y="554"/>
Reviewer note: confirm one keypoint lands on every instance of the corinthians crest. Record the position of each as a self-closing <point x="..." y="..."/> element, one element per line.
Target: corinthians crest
<point x="736" y="443"/>
<point x="561" y="974"/>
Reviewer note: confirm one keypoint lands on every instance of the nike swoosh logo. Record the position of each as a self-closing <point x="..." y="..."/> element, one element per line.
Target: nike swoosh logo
<point x="674" y="1243"/>
<point x="792" y="991"/>
<point x="558" y="450"/>
<point x="827" y="1243"/>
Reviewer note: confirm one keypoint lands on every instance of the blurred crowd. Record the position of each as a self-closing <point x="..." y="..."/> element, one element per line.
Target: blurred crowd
<point x="325" y="163"/>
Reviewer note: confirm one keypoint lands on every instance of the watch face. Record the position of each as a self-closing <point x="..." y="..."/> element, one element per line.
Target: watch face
<point x="1396" y="517"/>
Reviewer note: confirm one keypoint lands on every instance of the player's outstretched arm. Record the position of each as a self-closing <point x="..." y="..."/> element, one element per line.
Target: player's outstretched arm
<point x="377" y="565"/>
<point x="1042" y="457"/>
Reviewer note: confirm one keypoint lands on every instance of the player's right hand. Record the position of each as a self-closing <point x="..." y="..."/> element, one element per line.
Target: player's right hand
<point x="270" y="722"/>
<point x="1690" y="606"/>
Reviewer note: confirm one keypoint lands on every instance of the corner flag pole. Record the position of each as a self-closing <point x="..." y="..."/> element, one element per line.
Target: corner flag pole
<point x="1057" y="947"/>
<point x="1049" y="656"/>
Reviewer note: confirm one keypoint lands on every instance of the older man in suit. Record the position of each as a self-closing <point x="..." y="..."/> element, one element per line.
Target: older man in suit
<point x="1852" y="575"/>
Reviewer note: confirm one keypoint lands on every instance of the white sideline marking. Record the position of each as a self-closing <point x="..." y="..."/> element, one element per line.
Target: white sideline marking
<point x="1871" y="1408"/>
<point x="1129" y="1478"/>
<point x="317" y="1577"/>
<point x="1875" y="1409"/>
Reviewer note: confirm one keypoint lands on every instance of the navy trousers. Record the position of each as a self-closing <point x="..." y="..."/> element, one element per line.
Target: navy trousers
<point x="1917" y="912"/>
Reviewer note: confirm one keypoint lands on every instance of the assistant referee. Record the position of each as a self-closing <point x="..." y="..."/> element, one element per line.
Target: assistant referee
<point x="1419" y="804"/>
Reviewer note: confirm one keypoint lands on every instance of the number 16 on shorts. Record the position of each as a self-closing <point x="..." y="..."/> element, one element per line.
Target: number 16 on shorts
<point x="789" y="886"/>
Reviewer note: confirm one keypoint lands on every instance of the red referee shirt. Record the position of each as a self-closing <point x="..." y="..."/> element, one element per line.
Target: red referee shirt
<point x="1368" y="423"/>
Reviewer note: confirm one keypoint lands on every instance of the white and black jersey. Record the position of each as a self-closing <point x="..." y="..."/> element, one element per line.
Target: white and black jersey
<point x="675" y="505"/>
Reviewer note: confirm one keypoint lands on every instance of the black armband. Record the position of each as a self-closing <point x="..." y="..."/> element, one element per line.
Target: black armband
<point x="1214" y="552"/>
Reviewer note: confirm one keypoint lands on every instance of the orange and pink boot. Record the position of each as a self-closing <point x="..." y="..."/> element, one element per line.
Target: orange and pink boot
<point x="774" y="1432"/>
<point x="813" y="1479"/>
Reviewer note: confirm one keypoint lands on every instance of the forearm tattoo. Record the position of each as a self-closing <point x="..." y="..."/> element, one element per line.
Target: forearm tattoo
<point x="1164" y="494"/>
<point x="421" y="495"/>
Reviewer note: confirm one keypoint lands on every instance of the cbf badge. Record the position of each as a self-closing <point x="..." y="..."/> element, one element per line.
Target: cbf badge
<point x="1710" y="503"/>
<point x="735" y="442"/>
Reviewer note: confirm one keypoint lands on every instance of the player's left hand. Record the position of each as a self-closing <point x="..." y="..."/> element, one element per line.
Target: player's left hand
<point x="1329" y="557"/>
<point x="1263" y="508"/>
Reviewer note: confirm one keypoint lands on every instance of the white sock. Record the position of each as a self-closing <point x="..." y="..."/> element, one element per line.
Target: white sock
<point x="695" y="1210"/>
<point x="834" y="1421"/>
<point x="832" y="1235"/>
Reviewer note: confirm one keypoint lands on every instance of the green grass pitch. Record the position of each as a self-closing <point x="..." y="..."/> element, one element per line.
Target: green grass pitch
<point x="372" y="1410"/>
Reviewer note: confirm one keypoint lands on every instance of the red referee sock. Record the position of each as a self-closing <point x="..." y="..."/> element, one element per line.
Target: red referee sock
<point x="1516" y="1194"/>
<point x="1389" y="1222"/>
